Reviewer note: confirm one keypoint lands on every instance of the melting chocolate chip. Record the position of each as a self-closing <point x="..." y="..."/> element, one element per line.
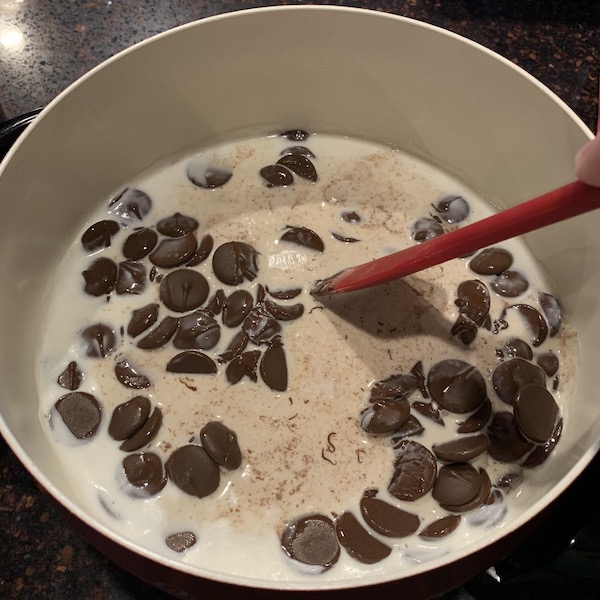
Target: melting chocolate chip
<point x="284" y="313"/>
<point x="456" y="386"/>
<point x="385" y="416"/>
<point x="174" y="252"/>
<point x="510" y="481"/>
<point x="426" y="229"/>
<point x="387" y="519"/>
<point x="412" y="426"/>
<point x="192" y="470"/>
<point x="145" y="472"/>
<point x="480" y="498"/>
<point x="276" y="176"/>
<point x="311" y="540"/>
<point x="216" y="302"/>
<point x="507" y="444"/>
<point x="145" y="434"/>
<point x="478" y="420"/>
<point x="260" y="327"/>
<point x="491" y="261"/>
<point x="440" y="527"/>
<point x="285" y="294"/>
<point x="346" y="240"/>
<point x="142" y="319"/>
<point x="533" y="319"/>
<point x="515" y="347"/>
<point x="236" y="346"/>
<point x="396" y="386"/>
<point x="140" y="243"/>
<point x="160" y="335"/>
<point x="427" y="409"/>
<point x="302" y="236"/>
<point x="183" y="290"/>
<point x="221" y="444"/>
<point x="456" y="484"/>
<point x="202" y="252"/>
<point x="236" y="307"/>
<point x="415" y="470"/>
<point x="541" y="452"/>
<point x="181" y="541"/>
<point x="131" y="204"/>
<point x="548" y="361"/>
<point x="358" y="542"/>
<point x="509" y="376"/>
<point x="461" y="449"/>
<point x="273" y="366"/>
<point x="300" y="150"/>
<point x="296" y="135"/>
<point x="205" y="175"/>
<point x="98" y="235"/>
<point x="129" y="376"/>
<point x="193" y="362"/>
<point x="552" y="311"/>
<point x="81" y="413"/>
<point x="243" y="365"/>
<point x="101" y="277"/>
<point x="300" y="165"/>
<point x="71" y="377"/>
<point x="177" y="225"/>
<point x="453" y="209"/>
<point x="510" y="284"/>
<point x="131" y="278"/>
<point x="100" y="340"/>
<point x="536" y="412"/>
<point x="473" y="300"/>
<point x="198" y="330"/>
<point x="464" y="329"/>
<point x="351" y="217"/>
<point x="129" y="417"/>
<point x="418" y="373"/>
<point x="235" y="261"/>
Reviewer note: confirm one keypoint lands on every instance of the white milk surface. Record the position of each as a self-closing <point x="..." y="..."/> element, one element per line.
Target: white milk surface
<point x="303" y="449"/>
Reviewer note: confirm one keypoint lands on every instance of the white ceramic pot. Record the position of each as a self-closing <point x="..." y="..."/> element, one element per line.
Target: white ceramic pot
<point x="331" y="70"/>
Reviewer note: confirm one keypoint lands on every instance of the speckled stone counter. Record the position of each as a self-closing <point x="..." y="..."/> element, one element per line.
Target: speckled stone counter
<point x="46" y="45"/>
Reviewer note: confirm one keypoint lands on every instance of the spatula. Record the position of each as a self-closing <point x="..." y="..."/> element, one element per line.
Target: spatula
<point x="560" y="204"/>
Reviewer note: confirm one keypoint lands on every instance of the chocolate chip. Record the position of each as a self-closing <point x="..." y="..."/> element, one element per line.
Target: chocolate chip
<point x="473" y="300"/>
<point x="515" y="347"/>
<point x="285" y="294"/>
<point x="98" y="235"/>
<point x="129" y="376"/>
<point x="399" y="386"/>
<point x="100" y="340"/>
<point x="536" y="412"/>
<point x="284" y="313"/>
<point x="131" y="278"/>
<point x="243" y="365"/>
<point x="478" y="420"/>
<point x="140" y="243"/>
<point x="142" y="319"/>
<point x="300" y="165"/>
<point x="204" y="175"/>
<point x="548" y="361"/>
<point x="440" y="527"/>
<point x="541" y="452"/>
<point x="351" y="216"/>
<point x="311" y="540"/>
<point x="174" y="252"/>
<point x="71" y="377"/>
<point x="491" y="261"/>
<point x="131" y="204"/>
<point x="510" y="284"/>
<point x="464" y="329"/>
<point x="456" y="386"/>
<point x="345" y="239"/>
<point x="300" y="150"/>
<point x="181" y="541"/>
<point x="415" y="470"/>
<point x="236" y="307"/>
<point x="100" y="277"/>
<point x="183" y="290"/>
<point x="193" y="362"/>
<point x="160" y="335"/>
<point x="302" y="236"/>
<point x="260" y="327"/>
<point x="129" y="417"/>
<point x="358" y="542"/>
<point x="426" y="229"/>
<point x="221" y="444"/>
<point x="296" y="135"/>
<point x="145" y="472"/>
<point x="177" y="225"/>
<point x="198" y="330"/>
<point x="553" y="312"/>
<point x="235" y="261"/>
<point x="509" y="376"/>
<point x="461" y="449"/>
<point x="385" y="416"/>
<point x="273" y="366"/>
<point x="480" y="498"/>
<point x="193" y="471"/>
<point x="236" y="346"/>
<point x="387" y="519"/>
<point x="453" y="209"/>
<point x="507" y="444"/>
<point x="145" y="434"/>
<point x="456" y="484"/>
<point x="427" y="409"/>
<point x="81" y="413"/>
<point x="202" y="252"/>
<point x="412" y="426"/>
<point x="533" y="319"/>
<point x="276" y="176"/>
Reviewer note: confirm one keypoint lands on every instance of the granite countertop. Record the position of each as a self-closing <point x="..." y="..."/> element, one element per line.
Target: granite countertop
<point x="46" y="45"/>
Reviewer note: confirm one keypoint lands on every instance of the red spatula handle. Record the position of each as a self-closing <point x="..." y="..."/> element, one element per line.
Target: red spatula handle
<point x="562" y="203"/>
